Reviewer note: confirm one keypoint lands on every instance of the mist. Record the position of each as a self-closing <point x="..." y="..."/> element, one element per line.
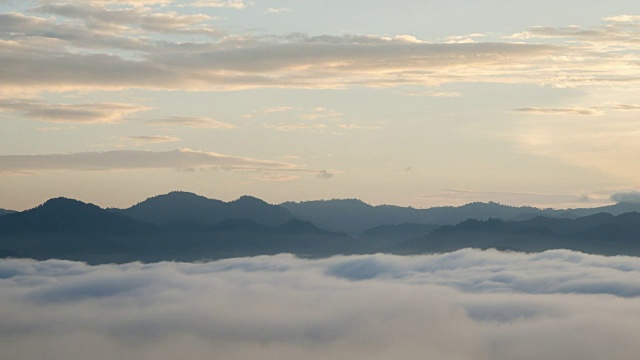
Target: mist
<point x="469" y="304"/>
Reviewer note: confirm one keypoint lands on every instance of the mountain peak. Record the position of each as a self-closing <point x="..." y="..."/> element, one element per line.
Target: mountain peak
<point x="175" y="196"/>
<point x="249" y="200"/>
<point x="65" y="204"/>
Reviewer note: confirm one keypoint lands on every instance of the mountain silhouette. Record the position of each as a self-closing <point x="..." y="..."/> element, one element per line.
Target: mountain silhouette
<point x="601" y="233"/>
<point x="382" y="237"/>
<point x="176" y="206"/>
<point x="68" y="215"/>
<point x="70" y="229"/>
<point x="188" y="227"/>
<point x="353" y="216"/>
<point x="5" y="212"/>
<point x="6" y="254"/>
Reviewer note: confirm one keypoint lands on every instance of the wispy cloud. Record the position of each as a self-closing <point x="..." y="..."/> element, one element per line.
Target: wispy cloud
<point x="102" y="17"/>
<point x="433" y="93"/>
<point x="278" y="11"/>
<point x="277" y="178"/>
<point x="627" y="197"/>
<point x="463" y="39"/>
<point x="358" y="127"/>
<point x="45" y="54"/>
<point x="192" y="121"/>
<point x="235" y="4"/>
<point x="143" y="139"/>
<point x="321" y="113"/>
<point x="516" y="198"/>
<point x="296" y="127"/>
<point x="71" y="113"/>
<point x="627" y="107"/>
<point x="560" y="111"/>
<point x="182" y="159"/>
<point x="325" y="174"/>
<point x="276" y="109"/>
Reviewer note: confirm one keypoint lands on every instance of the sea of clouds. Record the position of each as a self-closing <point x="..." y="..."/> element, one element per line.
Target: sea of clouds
<point x="469" y="304"/>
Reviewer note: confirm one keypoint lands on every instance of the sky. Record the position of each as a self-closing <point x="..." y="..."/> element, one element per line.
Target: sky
<point x="413" y="103"/>
<point x="465" y="305"/>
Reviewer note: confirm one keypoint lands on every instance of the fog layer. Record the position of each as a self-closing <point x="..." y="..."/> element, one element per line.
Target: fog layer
<point x="468" y="304"/>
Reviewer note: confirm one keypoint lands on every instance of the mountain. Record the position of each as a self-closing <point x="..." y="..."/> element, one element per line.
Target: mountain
<point x="5" y="212"/>
<point x="381" y="237"/>
<point x="177" y="206"/>
<point x="601" y="233"/>
<point x="6" y="254"/>
<point x="615" y="209"/>
<point x="252" y="208"/>
<point x="186" y="228"/>
<point x="70" y="229"/>
<point x="353" y="216"/>
<point x="69" y="216"/>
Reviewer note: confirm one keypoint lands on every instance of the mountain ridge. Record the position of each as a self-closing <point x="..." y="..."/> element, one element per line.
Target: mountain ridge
<point x="180" y="205"/>
<point x="71" y="229"/>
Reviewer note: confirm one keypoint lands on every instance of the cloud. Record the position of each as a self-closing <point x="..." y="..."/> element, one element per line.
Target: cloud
<point x="103" y="17"/>
<point x="183" y="159"/>
<point x="325" y="174"/>
<point x="41" y="53"/>
<point x="617" y="31"/>
<point x="433" y="93"/>
<point x="296" y="127"/>
<point x="560" y="111"/>
<point x="71" y="113"/>
<point x="464" y="305"/>
<point x="463" y="39"/>
<point x="277" y="178"/>
<point x="142" y="140"/>
<point x="623" y="19"/>
<point x="130" y="2"/>
<point x="626" y="197"/>
<point x="278" y="11"/>
<point x="276" y="109"/>
<point x="321" y="113"/>
<point x="514" y="198"/>
<point x="192" y="121"/>
<point x="238" y="63"/>
<point x="358" y="127"/>
<point x="627" y="107"/>
<point x="235" y="4"/>
<point x="55" y="128"/>
<point x="26" y="33"/>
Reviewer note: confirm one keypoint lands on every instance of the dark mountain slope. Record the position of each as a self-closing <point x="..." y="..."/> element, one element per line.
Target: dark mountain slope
<point x="5" y="212"/>
<point x="254" y="209"/>
<point x="69" y="216"/>
<point x="70" y="229"/>
<point x="354" y="216"/>
<point x="381" y="237"/>
<point x="600" y="234"/>
<point x="178" y="206"/>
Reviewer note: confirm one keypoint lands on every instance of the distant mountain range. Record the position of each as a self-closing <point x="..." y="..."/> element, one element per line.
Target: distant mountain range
<point x="354" y="216"/>
<point x="177" y="206"/>
<point x="601" y="233"/>
<point x="187" y="227"/>
<point x="70" y="229"/>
